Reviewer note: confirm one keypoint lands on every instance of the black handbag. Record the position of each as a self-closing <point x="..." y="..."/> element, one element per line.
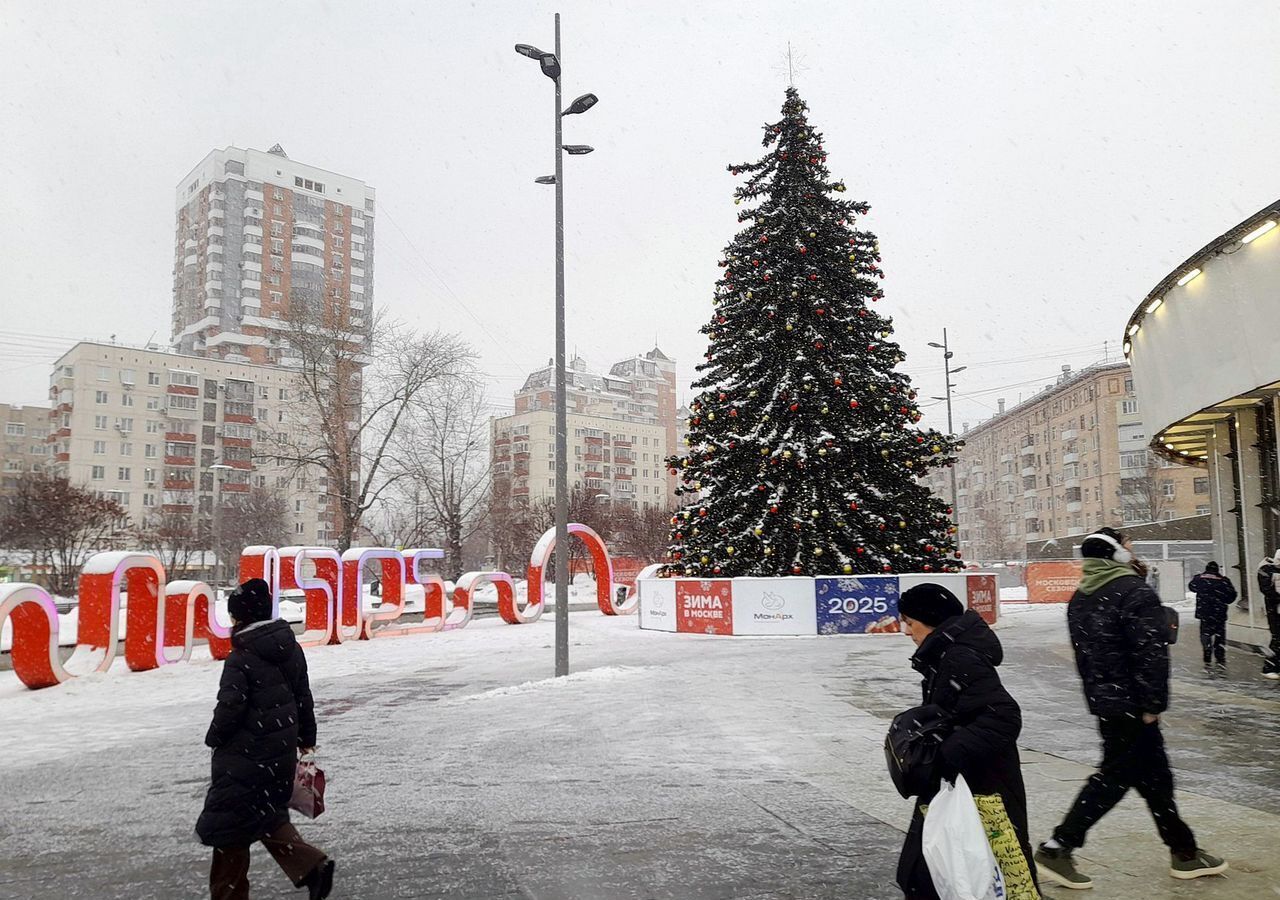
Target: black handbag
<point x="1172" y="622"/>
<point x="912" y="745"/>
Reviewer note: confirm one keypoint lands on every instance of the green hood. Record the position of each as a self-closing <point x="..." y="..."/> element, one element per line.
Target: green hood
<point x="1101" y="572"/>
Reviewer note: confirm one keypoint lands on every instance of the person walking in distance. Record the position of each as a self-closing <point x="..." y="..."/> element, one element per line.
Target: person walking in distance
<point x="263" y="720"/>
<point x="1118" y="633"/>
<point x="1269" y="584"/>
<point x="957" y="656"/>
<point x="1214" y="596"/>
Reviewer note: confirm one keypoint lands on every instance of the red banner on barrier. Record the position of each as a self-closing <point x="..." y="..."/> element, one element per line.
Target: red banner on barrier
<point x="984" y="597"/>
<point x="1052" y="582"/>
<point x="704" y="607"/>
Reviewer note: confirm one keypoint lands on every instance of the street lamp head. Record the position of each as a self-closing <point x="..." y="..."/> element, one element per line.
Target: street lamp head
<point x="582" y="104"/>
<point x="550" y="65"/>
<point x="577" y="149"/>
<point x="219" y="467"/>
<point x="958" y="369"/>
<point x="932" y="344"/>
<point x="545" y="179"/>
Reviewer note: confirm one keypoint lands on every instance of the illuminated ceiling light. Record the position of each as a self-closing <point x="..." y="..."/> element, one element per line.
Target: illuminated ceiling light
<point x="1127" y="348"/>
<point x="1259" y="231"/>
<point x="1168" y="446"/>
<point x="1190" y="275"/>
<point x="1185" y="453"/>
<point x="1154" y="305"/>
<point x="1133" y="329"/>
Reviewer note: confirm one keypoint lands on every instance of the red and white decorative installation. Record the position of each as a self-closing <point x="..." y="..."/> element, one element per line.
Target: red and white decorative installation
<point x="433" y="599"/>
<point x="34" y="617"/>
<point x="320" y="589"/>
<point x="262" y="561"/>
<point x="166" y="621"/>
<point x="541" y="556"/>
<point x="98" y="631"/>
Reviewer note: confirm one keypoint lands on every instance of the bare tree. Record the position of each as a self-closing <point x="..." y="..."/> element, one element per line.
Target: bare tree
<point x="173" y="537"/>
<point x="356" y="391"/>
<point x="59" y="524"/>
<point x="646" y="532"/>
<point x="515" y="524"/>
<point x="991" y="539"/>
<point x="444" y="448"/>
<point x="259" y="516"/>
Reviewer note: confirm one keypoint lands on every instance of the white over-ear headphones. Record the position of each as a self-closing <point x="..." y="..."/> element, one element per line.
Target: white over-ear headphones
<point x="1122" y="555"/>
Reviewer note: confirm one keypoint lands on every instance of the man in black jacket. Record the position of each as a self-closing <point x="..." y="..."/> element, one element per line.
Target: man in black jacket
<point x="1118" y="633"/>
<point x="957" y="657"/>
<point x="263" y="719"/>
<point x="1268" y="574"/>
<point x="1214" y="596"/>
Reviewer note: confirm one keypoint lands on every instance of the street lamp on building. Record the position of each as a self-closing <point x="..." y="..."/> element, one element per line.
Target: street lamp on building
<point x="550" y="63"/>
<point x="947" y="373"/>
<point x="217" y="469"/>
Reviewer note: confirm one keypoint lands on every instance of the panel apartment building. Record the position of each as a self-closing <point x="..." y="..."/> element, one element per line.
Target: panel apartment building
<point x="621" y="426"/>
<point x="144" y="426"/>
<point x="24" y="448"/>
<point x="258" y="234"/>
<point x="1072" y="458"/>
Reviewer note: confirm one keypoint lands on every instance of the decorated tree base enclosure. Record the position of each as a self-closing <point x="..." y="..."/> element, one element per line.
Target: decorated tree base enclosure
<point x="822" y="605"/>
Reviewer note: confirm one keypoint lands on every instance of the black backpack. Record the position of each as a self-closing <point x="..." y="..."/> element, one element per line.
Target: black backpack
<point x="911" y="747"/>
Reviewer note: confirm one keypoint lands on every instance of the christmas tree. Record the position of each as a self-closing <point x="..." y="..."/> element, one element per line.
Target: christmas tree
<point x="803" y="453"/>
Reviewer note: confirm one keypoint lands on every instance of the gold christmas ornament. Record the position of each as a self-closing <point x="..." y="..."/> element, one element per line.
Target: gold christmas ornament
<point x="823" y="451"/>
<point x="768" y="551"/>
<point x="728" y="550"/>
<point x="789" y="326"/>
<point x="704" y="560"/>
<point x="814" y="513"/>
<point x="848" y="569"/>
<point x="786" y="454"/>
<point x="817" y="551"/>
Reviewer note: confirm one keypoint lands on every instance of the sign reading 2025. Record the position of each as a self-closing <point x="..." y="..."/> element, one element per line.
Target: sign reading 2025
<point x="861" y="605"/>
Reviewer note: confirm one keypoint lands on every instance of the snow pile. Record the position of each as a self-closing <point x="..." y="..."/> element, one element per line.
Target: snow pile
<point x="597" y="675"/>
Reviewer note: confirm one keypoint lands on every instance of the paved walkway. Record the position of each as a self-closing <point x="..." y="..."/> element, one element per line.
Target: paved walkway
<point x="667" y="767"/>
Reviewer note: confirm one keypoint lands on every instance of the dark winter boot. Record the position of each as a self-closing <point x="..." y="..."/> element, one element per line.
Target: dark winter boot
<point x="1195" y="865"/>
<point x="1056" y="864"/>
<point x="320" y="882"/>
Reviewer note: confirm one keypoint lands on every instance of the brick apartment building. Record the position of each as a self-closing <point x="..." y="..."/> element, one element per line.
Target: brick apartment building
<point x="23" y="448"/>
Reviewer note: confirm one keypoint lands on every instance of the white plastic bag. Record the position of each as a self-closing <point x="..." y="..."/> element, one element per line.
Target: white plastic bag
<point x="956" y="849"/>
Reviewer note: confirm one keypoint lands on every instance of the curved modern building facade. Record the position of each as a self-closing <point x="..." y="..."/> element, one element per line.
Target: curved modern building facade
<point x="1205" y="350"/>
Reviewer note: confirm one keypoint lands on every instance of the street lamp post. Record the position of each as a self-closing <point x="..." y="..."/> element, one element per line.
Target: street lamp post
<point x="550" y="63"/>
<point x="948" y="372"/>
<point x="217" y="469"/>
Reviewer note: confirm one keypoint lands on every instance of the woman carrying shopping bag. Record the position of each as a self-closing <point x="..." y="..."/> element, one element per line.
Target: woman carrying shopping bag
<point x="263" y="721"/>
<point x="957" y="656"/>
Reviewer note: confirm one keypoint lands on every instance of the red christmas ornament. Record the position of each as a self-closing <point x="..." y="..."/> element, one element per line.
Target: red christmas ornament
<point x="761" y="487"/>
<point x="839" y="381"/>
<point x="928" y="568"/>
<point x="803" y="250"/>
<point x="764" y="238"/>
<point x="773" y="509"/>
<point x="733" y="414"/>
<point x="853" y="506"/>
<point x="703" y="512"/>
<point x="794" y="406"/>
<point x="796" y="570"/>
<point x="887" y="567"/>
<point x="676" y="555"/>
<point x="820" y="311"/>
<point x="919" y="440"/>
<point x="853" y="404"/>
<point x="723" y="395"/>
<point x="716" y="570"/>
<point x="928" y="548"/>
<point x="679" y="535"/>
<point x="818" y="345"/>
<point x="755" y="262"/>
<point x="903" y="410"/>
<point x="813" y="277"/>
<point x="859" y="551"/>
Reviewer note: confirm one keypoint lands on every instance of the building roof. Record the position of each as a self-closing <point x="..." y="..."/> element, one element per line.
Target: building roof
<point x="1066" y="381"/>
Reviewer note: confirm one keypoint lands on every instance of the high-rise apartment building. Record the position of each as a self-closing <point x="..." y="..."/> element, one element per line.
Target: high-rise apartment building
<point x="23" y="448"/>
<point x="258" y="234"/>
<point x="622" y="425"/>
<point x="1072" y="458"/>
<point x="144" y="427"/>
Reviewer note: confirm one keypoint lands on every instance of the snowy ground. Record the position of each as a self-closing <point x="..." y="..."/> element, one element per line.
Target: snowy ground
<point x="667" y="766"/>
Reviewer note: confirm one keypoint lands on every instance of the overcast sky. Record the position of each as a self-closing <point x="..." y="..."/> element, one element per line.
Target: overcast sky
<point x="1033" y="168"/>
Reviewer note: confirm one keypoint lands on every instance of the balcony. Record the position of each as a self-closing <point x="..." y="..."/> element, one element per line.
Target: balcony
<point x="1070" y="483"/>
<point x="1069" y="458"/>
<point x="1069" y="435"/>
<point x="180" y="461"/>
<point x="626" y="458"/>
<point x="1075" y="506"/>
<point x="594" y="457"/>
<point x="190" y="260"/>
<point x="1006" y="458"/>
<point x="621" y="476"/>
<point x="1029" y="471"/>
<point x="1030" y="514"/>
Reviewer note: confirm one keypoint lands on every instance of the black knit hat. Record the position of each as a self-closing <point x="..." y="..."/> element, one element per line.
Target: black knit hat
<point x="929" y="604"/>
<point x="251" y="602"/>
<point x="1212" y="568"/>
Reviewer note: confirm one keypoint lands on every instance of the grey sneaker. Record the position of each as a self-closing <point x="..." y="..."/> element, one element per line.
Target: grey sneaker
<point x="1057" y="865"/>
<point x="1197" y="866"/>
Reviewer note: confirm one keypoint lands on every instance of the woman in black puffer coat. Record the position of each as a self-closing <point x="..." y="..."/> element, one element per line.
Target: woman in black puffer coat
<point x="264" y="717"/>
<point x="957" y="657"/>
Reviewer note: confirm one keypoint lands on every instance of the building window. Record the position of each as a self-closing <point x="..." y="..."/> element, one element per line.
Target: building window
<point x="1128" y="407"/>
<point x="1167" y="487"/>
<point x="126" y="400"/>
<point x="99" y="448"/>
<point x="104" y="374"/>
<point x="100" y="397"/>
<point x="153" y="427"/>
<point x="15" y="429"/>
<point x="153" y="378"/>
<point x="1201" y="485"/>
<point x="148" y="500"/>
<point x="123" y="473"/>
<point x="97" y="473"/>
<point x="126" y="449"/>
<point x="99" y="423"/>
<point x="149" y="451"/>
